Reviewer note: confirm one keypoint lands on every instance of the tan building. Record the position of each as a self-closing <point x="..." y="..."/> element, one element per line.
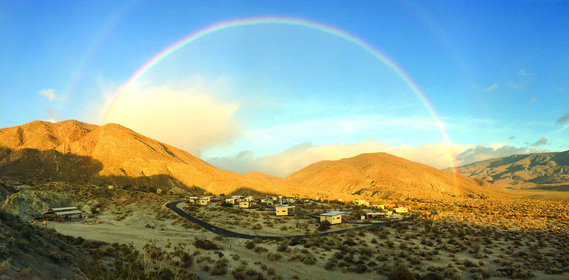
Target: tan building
<point x="361" y="203"/>
<point x="245" y="204"/>
<point x="334" y="217"/>
<point x="400" y="210"/>
<point x="284" y="210"/>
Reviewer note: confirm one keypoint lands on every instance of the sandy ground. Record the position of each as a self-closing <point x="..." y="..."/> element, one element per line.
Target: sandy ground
<point x="133" y="229"/>
<point x="268" y="224"/>
<point x="130" y="225"/>
<point x="130" y="229"/>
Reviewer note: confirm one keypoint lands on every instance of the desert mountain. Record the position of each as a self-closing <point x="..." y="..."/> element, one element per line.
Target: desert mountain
<point x="71" y="151"/>
<point x="539" y="170"/>
<point x="110" y="154"/>
<point x="382" y="176"/>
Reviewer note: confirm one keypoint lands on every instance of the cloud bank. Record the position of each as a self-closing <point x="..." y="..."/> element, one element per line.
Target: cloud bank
<point x="187" y="118"/>
<point x="563" y="119"/>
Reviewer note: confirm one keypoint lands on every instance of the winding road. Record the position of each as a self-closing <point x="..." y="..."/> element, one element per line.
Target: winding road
<point x="227" y="233"/>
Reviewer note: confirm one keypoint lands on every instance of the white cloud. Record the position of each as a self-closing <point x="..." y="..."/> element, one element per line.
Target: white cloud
<point x="187" y="118"/>
<point x="542" y="141"/>
<point x="482" y="152"/>
<point x="563" y="119"/>
<point x="49" y="94"/>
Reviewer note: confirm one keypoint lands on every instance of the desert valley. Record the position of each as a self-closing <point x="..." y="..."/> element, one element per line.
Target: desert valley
<point x="81" y="201"/>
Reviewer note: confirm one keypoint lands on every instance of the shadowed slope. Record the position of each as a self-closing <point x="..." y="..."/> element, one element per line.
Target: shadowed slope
<point x="542" y="170"/>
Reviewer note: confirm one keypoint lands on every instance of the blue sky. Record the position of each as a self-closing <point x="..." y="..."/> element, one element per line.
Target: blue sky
<point x="276" y="97"/>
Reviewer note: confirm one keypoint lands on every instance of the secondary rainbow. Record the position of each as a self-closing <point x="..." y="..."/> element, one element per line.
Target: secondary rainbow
<point x="283" y="21"/>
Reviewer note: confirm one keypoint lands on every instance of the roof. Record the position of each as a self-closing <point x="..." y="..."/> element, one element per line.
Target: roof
<point x="62" y="209"/>
<point x="280" y="207"/>
<point x="333" y="213"/>
<point x="379" y="213"/>
<point x="69" y="212"/>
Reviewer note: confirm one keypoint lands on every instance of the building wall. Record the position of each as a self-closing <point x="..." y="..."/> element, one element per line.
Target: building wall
<point x="332" y="219"/>
<point x="284" y="212"/>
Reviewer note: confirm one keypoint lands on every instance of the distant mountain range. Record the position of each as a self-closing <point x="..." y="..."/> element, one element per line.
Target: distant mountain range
<point x="111" y="154"/>
<point x="549" y="171"/>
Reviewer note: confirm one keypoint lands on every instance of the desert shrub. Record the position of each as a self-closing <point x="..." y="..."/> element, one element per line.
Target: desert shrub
<point x="359" y="268"/>
<point x="330" y="264"/>
<point x="258" y="240"/>
<point x="366" y="251"/>
<point x="249" y="244"/>
<point x="401" y="272"/>
<point x="260" y="249"/>
<point x="309" y="259"/>
<point x="382" y="257"/>
<point x="218" y="238"/>
<point x="271" y="271"/>
<point x="452" y="273"/>
<point x="295" y="241"/>
<point x="204" y="258"/>
<point x="469" y="263"/>
<point x="350" y="233"/>
<point x="220" y="267"/>
<point x="283" y="245"/>
<point x="324" y="226"/>
<point x="205" y="244"/>
<point x="274" y="256"/>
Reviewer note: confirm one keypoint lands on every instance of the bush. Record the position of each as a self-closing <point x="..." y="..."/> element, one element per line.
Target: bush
<point x="220" y="267"/>
<point x="205" y="244"/>
<point x="250" y="244"/>
<point x="282" y="246"/>
<point x="324" y="226"/>
<point x="309" y="259"/>
<point x="400" y="273"/>
<point x="260" y="249"/>
<point x="274" y="256"/>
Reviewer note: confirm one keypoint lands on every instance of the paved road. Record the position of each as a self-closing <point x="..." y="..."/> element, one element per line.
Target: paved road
<point x="227" y="233"/>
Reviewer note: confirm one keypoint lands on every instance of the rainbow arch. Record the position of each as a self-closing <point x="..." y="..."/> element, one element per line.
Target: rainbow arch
<point x="107" y="111"/>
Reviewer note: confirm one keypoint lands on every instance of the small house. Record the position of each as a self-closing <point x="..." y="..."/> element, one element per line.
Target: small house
<point x="203" y="201"/>
<point x="245" y="204"/>
<point x="65" y="213"/>
<point x="230" y="200"/>
<point x="334" y="217"/>
<point x="377" y="215"/>
<point x="284" y="210"/>
<point x="361" y="202"/>
<point x="400" y="210"/>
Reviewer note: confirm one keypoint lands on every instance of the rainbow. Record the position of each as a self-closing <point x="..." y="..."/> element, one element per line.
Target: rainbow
<point x="282" y="21"/>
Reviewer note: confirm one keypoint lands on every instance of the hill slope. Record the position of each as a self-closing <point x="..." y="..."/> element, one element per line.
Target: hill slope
<point x="540" y="170"/>
<point x="382" y="176"/>
<point x="110" y="154"/>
